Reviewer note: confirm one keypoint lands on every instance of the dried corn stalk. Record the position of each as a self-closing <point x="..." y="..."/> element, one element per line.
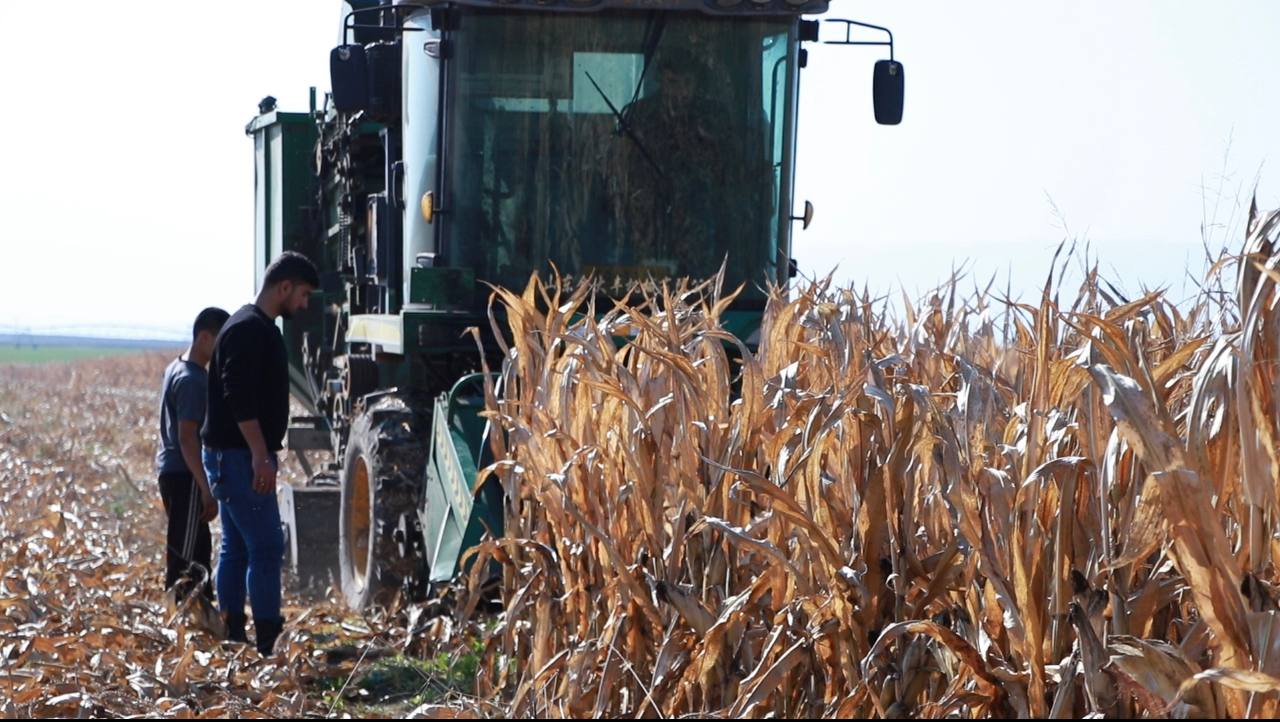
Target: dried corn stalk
<point x="1069" y="512"/>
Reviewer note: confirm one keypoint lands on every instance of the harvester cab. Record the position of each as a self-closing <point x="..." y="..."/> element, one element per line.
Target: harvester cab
<point x="468" y="143"/>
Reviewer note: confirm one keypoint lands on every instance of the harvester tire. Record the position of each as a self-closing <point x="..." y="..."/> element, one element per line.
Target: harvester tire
<point x="381" y="474"/>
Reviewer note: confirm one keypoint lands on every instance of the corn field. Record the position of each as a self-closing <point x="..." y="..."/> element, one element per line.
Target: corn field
<point x="966" y="507"/>
<point x="974" y="508"/>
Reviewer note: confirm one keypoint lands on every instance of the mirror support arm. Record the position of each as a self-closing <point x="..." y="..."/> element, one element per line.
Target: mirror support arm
<point x="848" y="35"/>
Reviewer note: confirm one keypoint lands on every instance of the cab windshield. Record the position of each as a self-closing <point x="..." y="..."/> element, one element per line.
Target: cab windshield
<point x="627" y="146"/>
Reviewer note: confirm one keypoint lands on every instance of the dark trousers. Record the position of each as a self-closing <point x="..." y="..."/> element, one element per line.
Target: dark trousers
<point x="188" y="542"/>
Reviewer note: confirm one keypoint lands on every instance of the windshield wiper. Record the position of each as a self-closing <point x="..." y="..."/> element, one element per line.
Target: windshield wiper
<point x="625" y="127"/>
<point x="652" y="36"/>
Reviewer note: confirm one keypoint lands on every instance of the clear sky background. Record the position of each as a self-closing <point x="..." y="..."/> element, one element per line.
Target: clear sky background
<point x="126" y="189"/>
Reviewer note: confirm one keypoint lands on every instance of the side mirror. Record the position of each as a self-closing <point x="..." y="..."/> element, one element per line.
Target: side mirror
<point x="887" y="85"/>
<point x="349" y="77"/>
<point x="807" y="217"/>
<point x="887" y="81"/>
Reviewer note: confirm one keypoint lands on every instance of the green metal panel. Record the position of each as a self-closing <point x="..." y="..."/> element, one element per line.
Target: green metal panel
<point x="439" y="332"/>
<point x="454" y="517"/>
<point x="284" y="160"/>
<point x="745" y="325"/>
<point x="284" y="155"/>
<point x="442" y="287"/>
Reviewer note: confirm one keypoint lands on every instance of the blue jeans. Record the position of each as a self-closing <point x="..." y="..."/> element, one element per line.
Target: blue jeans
<point x="252" y="540"/>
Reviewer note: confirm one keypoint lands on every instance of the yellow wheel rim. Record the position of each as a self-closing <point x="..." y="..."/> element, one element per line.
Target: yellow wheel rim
<point x="358" y="522"/>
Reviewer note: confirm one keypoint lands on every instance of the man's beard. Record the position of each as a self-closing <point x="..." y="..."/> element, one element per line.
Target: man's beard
<point x="286" y="314"/>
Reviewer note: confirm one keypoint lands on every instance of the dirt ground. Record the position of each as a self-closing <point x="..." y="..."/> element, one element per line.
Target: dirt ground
<point x="85" y="627"/>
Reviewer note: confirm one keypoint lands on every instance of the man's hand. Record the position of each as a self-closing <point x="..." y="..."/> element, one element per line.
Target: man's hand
<point x="189" y="440"/>
<point x="264" y="468"/>
<point x="208" y="505"/>
<point x="264" y="474"/>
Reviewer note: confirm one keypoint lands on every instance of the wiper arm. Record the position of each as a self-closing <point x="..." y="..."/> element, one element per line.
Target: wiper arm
<point x="652" y="36"/>
<point x="625" y="127"/>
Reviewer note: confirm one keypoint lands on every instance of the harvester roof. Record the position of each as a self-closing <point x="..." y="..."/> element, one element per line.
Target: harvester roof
<point x="714" y="7"/>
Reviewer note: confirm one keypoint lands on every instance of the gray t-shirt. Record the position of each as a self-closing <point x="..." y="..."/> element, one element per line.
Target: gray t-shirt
<point x="182" y="398"/>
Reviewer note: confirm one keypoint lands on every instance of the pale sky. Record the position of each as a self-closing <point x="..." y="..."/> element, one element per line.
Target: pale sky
<point x="127" y="191"/>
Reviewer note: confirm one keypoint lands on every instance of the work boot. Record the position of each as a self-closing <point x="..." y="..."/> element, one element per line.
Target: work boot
<point x="235" y="627"/>
<point x="267" y="631"/>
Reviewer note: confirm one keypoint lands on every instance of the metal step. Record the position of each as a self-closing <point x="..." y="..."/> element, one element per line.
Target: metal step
<point x="310" y="518"/>
<point x="308" y="433"/>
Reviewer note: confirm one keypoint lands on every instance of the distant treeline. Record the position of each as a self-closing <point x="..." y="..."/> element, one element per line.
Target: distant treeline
<point x="33" y="340"/>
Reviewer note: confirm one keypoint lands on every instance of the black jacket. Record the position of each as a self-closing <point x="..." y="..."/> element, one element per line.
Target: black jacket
<point x="248" y="379"/>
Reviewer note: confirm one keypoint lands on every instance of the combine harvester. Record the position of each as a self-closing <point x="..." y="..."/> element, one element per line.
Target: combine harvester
<point x="477" y="142"/>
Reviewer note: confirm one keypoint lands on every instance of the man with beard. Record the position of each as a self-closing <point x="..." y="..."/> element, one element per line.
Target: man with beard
<point x="244" y="427"/>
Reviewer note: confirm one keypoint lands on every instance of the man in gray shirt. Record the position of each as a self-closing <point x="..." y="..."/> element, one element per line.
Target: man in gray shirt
<point x="183" y="486"/>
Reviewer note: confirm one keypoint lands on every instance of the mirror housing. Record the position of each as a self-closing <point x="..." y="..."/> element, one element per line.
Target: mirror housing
<point x="887" y="87"/>
<point x="349" y="77"/>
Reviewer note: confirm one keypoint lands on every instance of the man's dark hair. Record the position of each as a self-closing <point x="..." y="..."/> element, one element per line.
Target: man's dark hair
<point x="291" y="266"/>
<point x="211" y="320"/>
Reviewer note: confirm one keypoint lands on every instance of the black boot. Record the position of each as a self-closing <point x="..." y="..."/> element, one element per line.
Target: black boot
<point x="267" y="631"/>
<point x="235" y="627"/>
